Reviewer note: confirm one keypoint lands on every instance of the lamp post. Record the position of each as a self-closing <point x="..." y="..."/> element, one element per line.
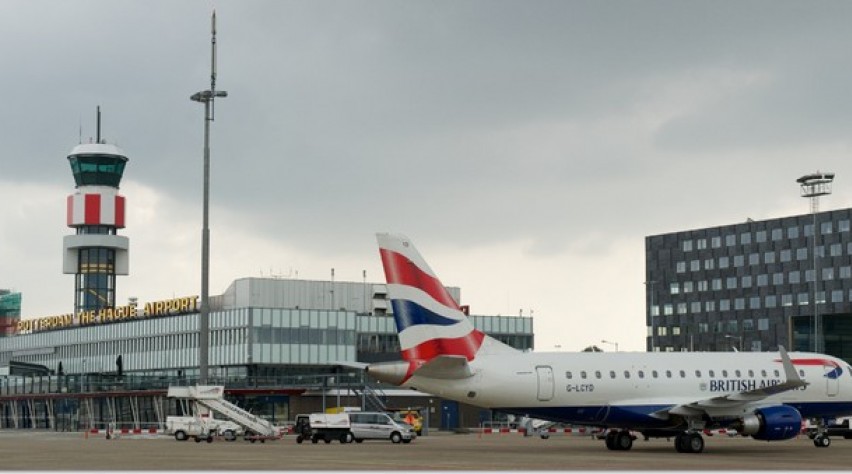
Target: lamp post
<point x="813" y="186"/>
<point x="206" y="97"/>
<point x="613" y="343"/>
<point x="650" y="284"/>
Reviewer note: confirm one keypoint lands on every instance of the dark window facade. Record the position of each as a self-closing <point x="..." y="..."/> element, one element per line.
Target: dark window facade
<point x="770" y="280"/>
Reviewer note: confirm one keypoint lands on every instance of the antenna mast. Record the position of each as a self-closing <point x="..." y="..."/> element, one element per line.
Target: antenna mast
<point x="98" y="130"/>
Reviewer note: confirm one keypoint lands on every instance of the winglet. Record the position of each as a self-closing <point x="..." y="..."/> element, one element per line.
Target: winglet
<point x="789" y="370"/>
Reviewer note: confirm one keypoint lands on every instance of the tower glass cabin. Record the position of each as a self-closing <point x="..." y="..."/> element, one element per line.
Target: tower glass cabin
<point x="96" y="254"/>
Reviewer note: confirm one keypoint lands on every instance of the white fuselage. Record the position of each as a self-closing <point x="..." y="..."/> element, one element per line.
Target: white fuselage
<point x="624" y="388"/>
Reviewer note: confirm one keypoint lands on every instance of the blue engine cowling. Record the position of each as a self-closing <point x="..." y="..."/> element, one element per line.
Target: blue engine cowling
<point x="773" y="423"/>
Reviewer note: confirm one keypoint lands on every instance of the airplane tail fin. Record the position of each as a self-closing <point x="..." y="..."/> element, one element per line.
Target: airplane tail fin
<point x="429" y="321"/>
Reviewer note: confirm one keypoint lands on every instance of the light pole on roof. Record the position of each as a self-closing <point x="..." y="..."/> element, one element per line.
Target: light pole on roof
<point x="813" y="186"/>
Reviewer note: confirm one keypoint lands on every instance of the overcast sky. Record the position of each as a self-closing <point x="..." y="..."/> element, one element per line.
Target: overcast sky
<point x="526" y="147"/>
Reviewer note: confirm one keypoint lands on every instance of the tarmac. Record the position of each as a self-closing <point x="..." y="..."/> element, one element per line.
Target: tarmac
<point x="48" y="451"/>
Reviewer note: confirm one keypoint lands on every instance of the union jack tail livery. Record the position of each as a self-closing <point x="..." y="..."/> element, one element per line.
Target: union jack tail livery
<point x="429" y="321"/>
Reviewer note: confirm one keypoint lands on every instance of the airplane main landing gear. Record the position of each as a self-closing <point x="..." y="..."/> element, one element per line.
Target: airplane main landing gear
<point x="689" y="442"/>
<point x="822" y="441"/>
<point x="619" y="440"/>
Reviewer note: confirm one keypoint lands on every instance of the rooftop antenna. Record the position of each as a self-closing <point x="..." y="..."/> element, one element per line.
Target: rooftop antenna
<point x="213" y="64"/>
<point x="80" y="138"/>
<point x="98" y="133"/>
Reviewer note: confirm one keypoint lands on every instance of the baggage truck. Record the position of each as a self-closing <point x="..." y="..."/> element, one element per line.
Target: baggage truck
<point x="324" y="426"/>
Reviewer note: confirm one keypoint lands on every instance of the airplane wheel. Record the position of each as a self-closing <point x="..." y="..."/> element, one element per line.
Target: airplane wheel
<point x="822" y="441"/>
<point x="623" y="441"/>
<point x="681" y="444"/>
<point x="610" y="440"/>
<point x="695" y="443"/>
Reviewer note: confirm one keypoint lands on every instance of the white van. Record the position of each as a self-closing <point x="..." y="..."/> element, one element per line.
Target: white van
<point x="377" y="425"/>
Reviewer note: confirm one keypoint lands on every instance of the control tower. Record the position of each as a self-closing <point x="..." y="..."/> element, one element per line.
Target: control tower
<point x="96" y="254"/>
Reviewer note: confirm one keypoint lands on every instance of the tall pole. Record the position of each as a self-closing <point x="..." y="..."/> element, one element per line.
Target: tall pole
<point x="813" y="186"/>
<point x="650" y="284"/>
<point x="207" y="97"/>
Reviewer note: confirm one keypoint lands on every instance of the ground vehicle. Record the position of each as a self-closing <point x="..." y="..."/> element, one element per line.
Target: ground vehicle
<point x="228" y="429"/>
<point x="204" y="428"/>
<point x="839" y="427"/>
<point x="323" y="426"/>
<point x="185" y="427"/>
<point x="377" y="425"/>
<point x="409" y="416"/>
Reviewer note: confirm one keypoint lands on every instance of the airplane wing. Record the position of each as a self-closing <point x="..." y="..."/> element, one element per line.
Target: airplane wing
<point x="700" y="407"/>
<point x="445" y="367"/>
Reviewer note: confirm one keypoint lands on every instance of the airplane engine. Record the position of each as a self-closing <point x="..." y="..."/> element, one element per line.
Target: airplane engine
<point x="773" y="423"/>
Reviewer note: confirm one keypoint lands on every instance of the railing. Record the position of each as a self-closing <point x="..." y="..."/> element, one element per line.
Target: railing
<point x="96" y="383"/>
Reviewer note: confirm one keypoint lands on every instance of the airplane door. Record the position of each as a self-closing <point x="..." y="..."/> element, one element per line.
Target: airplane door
<point x="546" y="385"/>
<point x="832" y="382"/>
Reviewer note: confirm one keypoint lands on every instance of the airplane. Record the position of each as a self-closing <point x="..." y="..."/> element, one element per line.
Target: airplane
<point x="765" y="395"/>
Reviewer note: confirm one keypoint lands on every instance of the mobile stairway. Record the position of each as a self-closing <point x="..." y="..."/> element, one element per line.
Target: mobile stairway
<point x="213" y="398"/>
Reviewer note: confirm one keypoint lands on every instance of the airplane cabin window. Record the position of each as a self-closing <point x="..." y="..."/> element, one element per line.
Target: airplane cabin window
<point x="763" y="373"/>
<point x="612" y="374"/>
<point x="669" y="374"/>
<point x="777" y="374"/>
<point x="568" y="375"/>
<point x="698" y="373"/>
<point x="682" y="374"/>
<point x="583" y="374"/>
<point x="801" y="373"/>
<point x="737" y="373"/>
<point x="724" y="373"/>
<point x="627" y="374"/>
<point x="597" y="374"/>
<point x="641" y="374"/>
<point x="750" y="373"/>
<point x="712" y="374"/>
<point x="654" y="373"/>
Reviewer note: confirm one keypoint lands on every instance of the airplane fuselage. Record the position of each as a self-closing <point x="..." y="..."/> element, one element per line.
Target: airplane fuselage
<point x="627" y="389"/>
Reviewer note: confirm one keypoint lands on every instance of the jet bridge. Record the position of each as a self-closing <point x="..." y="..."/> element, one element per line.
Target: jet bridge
<point x="213" y="397"/>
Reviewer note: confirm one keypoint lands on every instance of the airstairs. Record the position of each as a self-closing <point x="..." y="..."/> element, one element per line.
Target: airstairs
<point x="213" y="397"/>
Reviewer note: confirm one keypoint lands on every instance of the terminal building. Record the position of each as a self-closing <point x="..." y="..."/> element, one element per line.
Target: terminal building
<point x="750" y="286"/>
<point x="279" y="346"/>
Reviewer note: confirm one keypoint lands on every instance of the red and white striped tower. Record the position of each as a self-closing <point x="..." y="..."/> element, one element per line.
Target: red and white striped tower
<point x="96" y="254"/>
